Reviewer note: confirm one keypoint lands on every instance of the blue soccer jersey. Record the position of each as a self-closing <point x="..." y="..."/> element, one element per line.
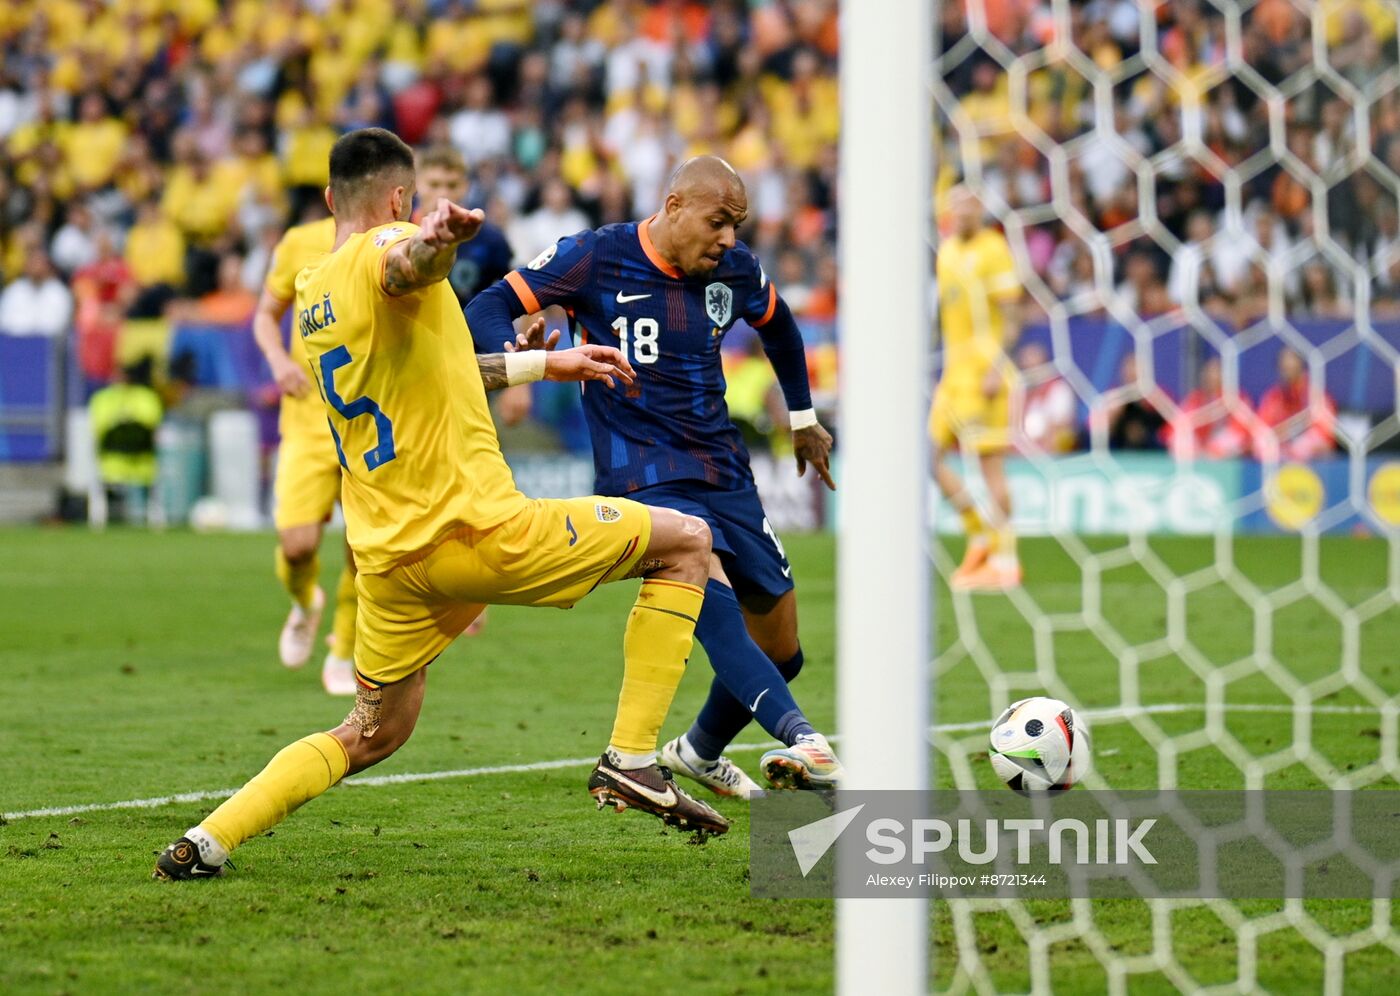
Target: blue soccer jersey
<point x="480" y="263"/>
<point x="673" y="423"/>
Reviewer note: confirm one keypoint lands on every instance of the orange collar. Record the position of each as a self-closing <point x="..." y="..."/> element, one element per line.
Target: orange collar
<point x="649" y="248"/>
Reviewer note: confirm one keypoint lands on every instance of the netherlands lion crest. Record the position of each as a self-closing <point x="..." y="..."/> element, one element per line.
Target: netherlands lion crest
<point x="719" y="303"/>
<point x="607" y="513"/>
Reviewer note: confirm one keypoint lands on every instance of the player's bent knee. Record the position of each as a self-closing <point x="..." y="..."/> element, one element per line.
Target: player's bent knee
<point x="791" y="667"/>
<point x="698" y="540"/>
<point x="368" y="735"/>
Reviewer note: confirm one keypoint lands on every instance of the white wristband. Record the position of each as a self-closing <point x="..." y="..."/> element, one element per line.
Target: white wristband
<point x="526" y="367"/>
<point x="804" y="419"/>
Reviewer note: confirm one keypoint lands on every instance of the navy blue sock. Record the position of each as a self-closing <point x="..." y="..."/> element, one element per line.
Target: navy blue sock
<point x="743" y="675"/>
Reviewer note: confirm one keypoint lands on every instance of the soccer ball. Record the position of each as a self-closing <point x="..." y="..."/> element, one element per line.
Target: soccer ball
<point x="1040" y="743"/>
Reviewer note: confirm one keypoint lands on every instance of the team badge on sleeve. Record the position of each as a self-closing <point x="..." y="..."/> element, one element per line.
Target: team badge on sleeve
<point x="542" y="260"/>
<point x="607" y="513"/>
<point x="719" y="303"/>
<point x="386" y="236"/>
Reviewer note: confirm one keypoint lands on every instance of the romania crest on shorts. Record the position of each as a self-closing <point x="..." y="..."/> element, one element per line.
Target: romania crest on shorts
<point x="607" y="513"/>
<point x="719" y="303"/>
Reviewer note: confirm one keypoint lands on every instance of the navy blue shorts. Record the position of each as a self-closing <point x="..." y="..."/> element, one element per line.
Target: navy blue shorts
<point x="746" y="544"/>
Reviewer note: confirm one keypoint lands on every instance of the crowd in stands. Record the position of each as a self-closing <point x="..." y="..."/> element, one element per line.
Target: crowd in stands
<point x="1147" y="169"/>
<point x="1290" y="422"/>
<point x="1207" y="119"/>
<point x="152" y="151"/>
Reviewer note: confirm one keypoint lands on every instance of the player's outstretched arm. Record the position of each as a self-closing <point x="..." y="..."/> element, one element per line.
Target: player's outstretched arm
<point x="267" y="332"/>
<point x="582" y="363"/>
<point x="429" y="256"/>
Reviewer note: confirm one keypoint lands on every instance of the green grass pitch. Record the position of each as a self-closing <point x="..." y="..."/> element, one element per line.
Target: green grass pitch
<point x="143" y="665"/>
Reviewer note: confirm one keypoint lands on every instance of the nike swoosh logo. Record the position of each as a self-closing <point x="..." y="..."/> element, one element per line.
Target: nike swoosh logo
<point x="666" y="799"/>
<point x="625" y="298"/>
<point x="200" y="871"/>
<point x="758" y="700"/>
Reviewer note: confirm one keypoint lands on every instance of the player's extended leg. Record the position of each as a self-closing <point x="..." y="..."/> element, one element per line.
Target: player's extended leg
<point x="955" y="490"/>
<point x="655" y="647"/>
<point x="298" y="566"/>
<point x="749" y="684"/>
<point x="338" y="671"/>
<point x="1002" y="571"/>
<point x="380" y="723"/>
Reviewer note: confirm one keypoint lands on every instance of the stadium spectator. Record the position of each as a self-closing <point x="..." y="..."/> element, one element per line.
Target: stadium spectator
<point x="1142" y="289"/>
<point x="552" y="220"/>
<point x="1195" y="275"/>
<point x="1210" y="423"/>
<point x="1048" y="405"/>
<point x="1303" y="425"/>
<point x="74" y="245"/>
<point x="102" y="291"/>
<point x="36" y="302"/>
<point x="124" y="417"/>
<point x="480" y="130"/>
<point x="1318" y="294"/>
<point x="155" y="248"/>
<point x="1130" y="415"/>
<point x="230" y="302"/>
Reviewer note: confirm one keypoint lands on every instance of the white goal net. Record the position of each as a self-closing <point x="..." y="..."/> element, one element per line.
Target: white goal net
<point x="1202" y="200"/>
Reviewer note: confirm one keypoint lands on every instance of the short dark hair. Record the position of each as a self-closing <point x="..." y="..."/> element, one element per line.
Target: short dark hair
<point x="442" y="157"/>
<point x="364" y="155"/>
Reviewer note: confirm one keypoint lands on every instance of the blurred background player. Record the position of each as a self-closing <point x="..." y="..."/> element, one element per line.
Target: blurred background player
<point x="665" y="291"/>
<point x="433" y="515"/>
<point x="442" y="172"/>
<point x="307" y="484"/>
<point x="979" y="313"/>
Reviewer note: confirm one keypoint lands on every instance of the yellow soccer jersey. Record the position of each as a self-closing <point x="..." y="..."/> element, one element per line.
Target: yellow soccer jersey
<point x="299" y="246"/>
<point x="407" y="407"/>
<point x="975" y="276"/>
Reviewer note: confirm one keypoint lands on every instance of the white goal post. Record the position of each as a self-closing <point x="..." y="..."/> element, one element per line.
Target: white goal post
<point x="883" y="596"/>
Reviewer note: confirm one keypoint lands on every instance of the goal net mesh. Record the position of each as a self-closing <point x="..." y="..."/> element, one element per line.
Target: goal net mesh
<point x="1201" y="199"/>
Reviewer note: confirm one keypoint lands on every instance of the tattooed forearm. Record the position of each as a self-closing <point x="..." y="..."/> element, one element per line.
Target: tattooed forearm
<point x="414" y="264"/>
<point x="493" y="370"/>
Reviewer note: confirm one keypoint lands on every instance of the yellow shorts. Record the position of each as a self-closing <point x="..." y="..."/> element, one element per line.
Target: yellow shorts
<point x="964" y="418"/>
<point x="308" y="478"/>
<point x="553" y="552"/>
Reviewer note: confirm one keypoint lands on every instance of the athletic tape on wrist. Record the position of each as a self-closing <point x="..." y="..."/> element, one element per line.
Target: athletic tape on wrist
<point x="526" y="367"/>
<point x="804" y="419"/>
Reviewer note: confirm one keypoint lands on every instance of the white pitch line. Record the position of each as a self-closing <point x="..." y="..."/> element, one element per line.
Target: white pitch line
<point x="407" y="778"/>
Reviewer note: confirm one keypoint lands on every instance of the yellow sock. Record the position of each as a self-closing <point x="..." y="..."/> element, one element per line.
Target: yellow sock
<point x="660" y="629"/>
<point x="300" y="772"/>
<point x="299" y="579"/>
<point x="343" y="626"/>
<point x="972" y="522"/>
<point x="1004" y="543"/>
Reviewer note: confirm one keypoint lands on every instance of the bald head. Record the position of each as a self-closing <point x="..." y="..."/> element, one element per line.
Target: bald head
<point x="705" y="174"/>
<point x="698" y="223"/>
